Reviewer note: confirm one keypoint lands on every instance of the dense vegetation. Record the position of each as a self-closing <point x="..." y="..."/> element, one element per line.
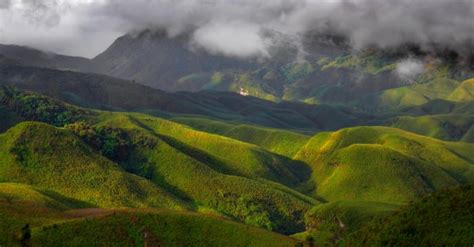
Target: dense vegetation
<point x="29" y="106"/>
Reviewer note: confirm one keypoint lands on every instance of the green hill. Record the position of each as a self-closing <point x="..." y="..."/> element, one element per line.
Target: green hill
<point x="67" y="166"/>
<point x="440" y="107"/>
<point x="384" y="164"/>
<point x="464" y="92"/>
<point x="166" y="228"/>
<point x="330" y="223"/>
<point x="232" y="156"/>
<point x="418" y="94"/>
<point x="450" y="127"/>
<point x="217" y="172"/>
<point x="445" y="218"/>
<point x="278" y="141"/>
<point x="56" y="160"/>
<point x="21" y="204"/>
<point x="54" y="221"/>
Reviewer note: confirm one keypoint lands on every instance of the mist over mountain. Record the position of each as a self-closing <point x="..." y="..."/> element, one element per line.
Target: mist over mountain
<point x="223" y="26"/>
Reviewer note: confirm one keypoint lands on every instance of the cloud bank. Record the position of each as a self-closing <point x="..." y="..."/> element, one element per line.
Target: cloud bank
<point x="238" y="27"/>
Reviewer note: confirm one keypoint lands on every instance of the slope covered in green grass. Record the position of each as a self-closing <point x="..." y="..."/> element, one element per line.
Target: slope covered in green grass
<point x="55" y="221"/>
<point x="450" y="127"/>
<point x="418" y="94"/>
<point x="440" y="107"/>
<point x="233" y="156"/>
<point x="445" y="218"/>
<point x="278" y="141"/>
<point x="56" y="160"/>
<point x="205" y="172"/>
<point x="384" y="164"/>
<point x="464" y="92"/>
<point x="330" y="223"/>
<point x="165" y="228"/>
<point x="21" y="204"/>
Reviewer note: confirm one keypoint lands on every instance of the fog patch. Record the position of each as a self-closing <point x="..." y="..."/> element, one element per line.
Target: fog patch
<point x="409" y="69"/>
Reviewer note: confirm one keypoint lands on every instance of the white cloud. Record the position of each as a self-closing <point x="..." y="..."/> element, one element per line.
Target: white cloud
<point x="236" y="39"/>
<point x="409" y="69"/>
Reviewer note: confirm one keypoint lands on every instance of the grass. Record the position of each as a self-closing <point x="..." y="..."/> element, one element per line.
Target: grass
<point x="418" y="94"/>
<point x="21" y="204"/>
<point x="277" y="141"/>
<point x="384" y="164"/>
<point x="443" y="219"/>
<point x="53" y="222"/>
<point x="449" y="127"/>
<point x="166" y="228"/>
<point x="54" y="159"/>
<point x="463" y="93"/>
<point x="191" y="164"/>
<point x="238" y="158"/>
<point x="330" y="223"/>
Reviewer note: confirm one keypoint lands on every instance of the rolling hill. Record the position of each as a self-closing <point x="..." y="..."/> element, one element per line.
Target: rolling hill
<point x="40" y="155"/>
<point x="355" y="164"/>
<point x="35" y="217"/>
<point x="218" y="172"/>
<point x="170" y="171"/>
<point x="102" y="92"/>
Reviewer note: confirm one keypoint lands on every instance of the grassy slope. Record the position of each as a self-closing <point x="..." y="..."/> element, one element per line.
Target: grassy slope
<point x="197" y="171"/>
<point x="416" y="94"/>
<point x="278" y="141"/>
<point x="20" y="204"/>
<point x="55" y="222"/>
<point x="54" y="159"/>
<point x="445" y="218"/>
<point x="161" y="228"/>
<point x="463" y="93"/>
<point x="450" y="127"/>
<point x="384" y="164"/>
<point x="332" y="222"/>
<point x="421" y="93"/>
<point x="234" y="157"/>
<point x="439" y="107"/>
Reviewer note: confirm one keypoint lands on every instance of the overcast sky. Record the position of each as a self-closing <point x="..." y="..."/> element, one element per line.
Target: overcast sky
<point x="234" y="27"/>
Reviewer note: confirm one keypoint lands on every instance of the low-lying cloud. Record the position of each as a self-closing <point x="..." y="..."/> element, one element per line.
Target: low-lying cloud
<point x="409" y="69"/>
<point x="220" y="38"/>
<point x="237" y="27"/>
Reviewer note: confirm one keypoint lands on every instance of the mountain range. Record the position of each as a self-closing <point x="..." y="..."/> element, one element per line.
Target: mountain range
<point x="157" y="143"/>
